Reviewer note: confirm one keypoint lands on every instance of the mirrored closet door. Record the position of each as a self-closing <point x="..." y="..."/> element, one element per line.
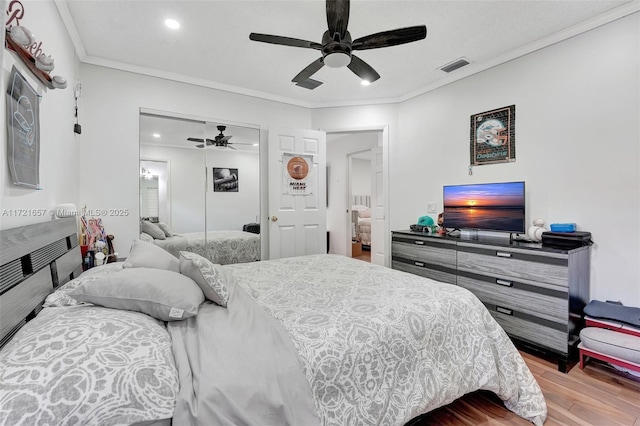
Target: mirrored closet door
<point x="201" y="178"/>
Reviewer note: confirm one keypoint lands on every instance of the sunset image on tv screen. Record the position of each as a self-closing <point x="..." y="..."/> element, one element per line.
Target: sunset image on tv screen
<point x="487" y="206"/>
<point x="485" y="195"/>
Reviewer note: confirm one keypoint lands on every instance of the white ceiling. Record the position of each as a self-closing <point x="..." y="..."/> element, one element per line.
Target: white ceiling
<point x="212" y="47"/>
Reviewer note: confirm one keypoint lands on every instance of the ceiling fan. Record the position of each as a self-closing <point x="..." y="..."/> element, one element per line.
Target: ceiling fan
<point x="337" y="45"/>
<point x="220" y="140"/>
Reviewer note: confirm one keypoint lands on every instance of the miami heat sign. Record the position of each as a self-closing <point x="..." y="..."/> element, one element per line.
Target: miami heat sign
<point x="297" y="174"/>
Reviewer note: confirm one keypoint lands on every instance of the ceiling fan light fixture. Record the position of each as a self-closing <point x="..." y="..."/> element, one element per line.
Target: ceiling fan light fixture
<point x="365" y="82"/>
<point x="337" y="60"/>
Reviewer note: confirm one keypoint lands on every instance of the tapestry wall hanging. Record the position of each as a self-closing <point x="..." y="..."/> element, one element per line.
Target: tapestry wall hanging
<point x="23" y="131"/>
<point x="493" y="136"/>
<point x="225" y="180"/>
<point x="297" y="176"/>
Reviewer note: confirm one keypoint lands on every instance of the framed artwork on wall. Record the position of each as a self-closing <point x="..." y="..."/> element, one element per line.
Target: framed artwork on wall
<point x="225" y="179"/>
<point x="493" y="136"/>
<point x="23" y="131"/>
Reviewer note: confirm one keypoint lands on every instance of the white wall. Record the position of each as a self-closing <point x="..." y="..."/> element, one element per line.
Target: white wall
<point x="339" y="145"/>
<point x="59" y="158"/>
<point x="231" y="210"/>
<point x="577" y="144"/>
<point x="360" y="176"/>
<point x="112" y="100"/>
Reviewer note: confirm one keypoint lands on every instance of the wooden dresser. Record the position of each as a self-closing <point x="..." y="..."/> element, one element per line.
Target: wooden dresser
<point x="535" y="293"/>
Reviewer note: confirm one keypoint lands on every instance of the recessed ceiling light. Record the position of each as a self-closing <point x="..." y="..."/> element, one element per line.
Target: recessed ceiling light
<point x="172" y="23"/>
<point x="255" y="144"/>
<point x="156" y="135"/>
<point x="365" y="82"/>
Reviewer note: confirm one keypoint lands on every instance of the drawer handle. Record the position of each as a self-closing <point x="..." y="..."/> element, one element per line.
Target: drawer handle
<point x="504" y="310"/>
<point x="503" y="254"/>
<point x="419" y="242"/>
<point x="504" y="283"/>
<point x="418" y="263"/>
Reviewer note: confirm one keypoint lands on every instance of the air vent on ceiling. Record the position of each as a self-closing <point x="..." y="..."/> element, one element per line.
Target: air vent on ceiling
<point x="458" y="63"/>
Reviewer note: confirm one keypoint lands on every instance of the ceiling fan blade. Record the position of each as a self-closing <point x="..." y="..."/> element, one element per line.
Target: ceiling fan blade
<point x="230" y="147"/>
<point x="310" y="70"/>
<point x="224" y="138"/>
<point x="362" y="69"/>
<point x="390" y="38"/>
<point x="200" y="146"/>
<point x="337" y="17"/>
<point x="195" y="140"/>
<point x="285" y="41"/>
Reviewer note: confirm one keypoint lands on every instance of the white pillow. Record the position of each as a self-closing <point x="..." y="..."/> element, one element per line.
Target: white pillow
<point x="148" y="255"/>
<point x="214" y="282"/>
<point x="166" y="229"/>
<point x="364" y="213"/>
<point x="164" y="295"/>
<point x="153" y="230"/>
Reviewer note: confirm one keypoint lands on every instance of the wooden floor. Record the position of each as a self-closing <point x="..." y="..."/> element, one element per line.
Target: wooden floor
<point x="366" y="256"/>
<point x="599" y="395"/>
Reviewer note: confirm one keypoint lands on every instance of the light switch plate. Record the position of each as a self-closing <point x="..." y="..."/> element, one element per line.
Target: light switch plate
<point x="431" y="207"/>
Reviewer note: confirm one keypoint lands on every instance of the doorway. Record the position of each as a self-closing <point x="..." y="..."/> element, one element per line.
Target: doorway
<point x="359" y="203"/>
<point x="340" y="145"/>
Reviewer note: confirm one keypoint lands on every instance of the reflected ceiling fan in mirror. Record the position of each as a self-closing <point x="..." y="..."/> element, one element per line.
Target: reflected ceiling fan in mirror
<point x="337" y="45"/>
<point x="220" y="141"/>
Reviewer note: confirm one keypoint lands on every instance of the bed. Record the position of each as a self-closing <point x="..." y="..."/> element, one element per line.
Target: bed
<point x="221" y="247"/>
<point x="361" y="218"/>
<point x="313" y="340"/>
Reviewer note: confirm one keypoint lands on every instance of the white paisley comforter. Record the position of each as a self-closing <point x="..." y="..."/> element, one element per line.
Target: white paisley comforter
<point x="375" y="346"/>
<point x="221" y="247"/>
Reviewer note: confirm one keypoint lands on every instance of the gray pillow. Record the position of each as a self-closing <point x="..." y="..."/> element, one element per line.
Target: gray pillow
<point x="214" y="281"/>
<point x="152" y="229"/>
<point x="148" y="255"/>
<point x="166" y="229"/>
<point x="165" y="295"/>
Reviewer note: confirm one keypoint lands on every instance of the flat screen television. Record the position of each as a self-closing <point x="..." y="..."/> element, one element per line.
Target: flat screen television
<point x="496" y="207"/>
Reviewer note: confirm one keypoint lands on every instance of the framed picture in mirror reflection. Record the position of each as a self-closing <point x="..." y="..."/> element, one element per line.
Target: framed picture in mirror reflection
<point x="225" y="179"/>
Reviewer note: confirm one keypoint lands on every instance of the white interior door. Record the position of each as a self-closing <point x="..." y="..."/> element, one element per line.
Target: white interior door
<point x="297" y="222"/>
<point x="377" y="207"/>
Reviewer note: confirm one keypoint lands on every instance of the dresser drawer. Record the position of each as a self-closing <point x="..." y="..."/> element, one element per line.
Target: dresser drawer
<point x="547" y="335"/>
<point x="552" y="305"/>
<point x="422" y="250"/>
<point x="514" y="264"/>
<point x="424" y="270"/>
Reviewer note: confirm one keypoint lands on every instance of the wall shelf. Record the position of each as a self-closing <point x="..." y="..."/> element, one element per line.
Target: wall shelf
<point x="29" y="61"/>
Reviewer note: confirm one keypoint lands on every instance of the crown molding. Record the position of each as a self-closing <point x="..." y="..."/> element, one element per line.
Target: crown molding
<point x="475" y="68"/>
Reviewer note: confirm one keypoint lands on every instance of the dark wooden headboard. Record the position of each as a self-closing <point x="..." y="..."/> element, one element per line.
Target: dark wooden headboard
<point x="34" y="260"/>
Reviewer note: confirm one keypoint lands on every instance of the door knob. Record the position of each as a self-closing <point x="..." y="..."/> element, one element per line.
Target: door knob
<point x="274" y="218"/>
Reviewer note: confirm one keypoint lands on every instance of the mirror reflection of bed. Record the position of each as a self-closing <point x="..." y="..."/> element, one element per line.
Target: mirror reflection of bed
<point x="361" y="227"/>
<point x="185" y="201"/>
